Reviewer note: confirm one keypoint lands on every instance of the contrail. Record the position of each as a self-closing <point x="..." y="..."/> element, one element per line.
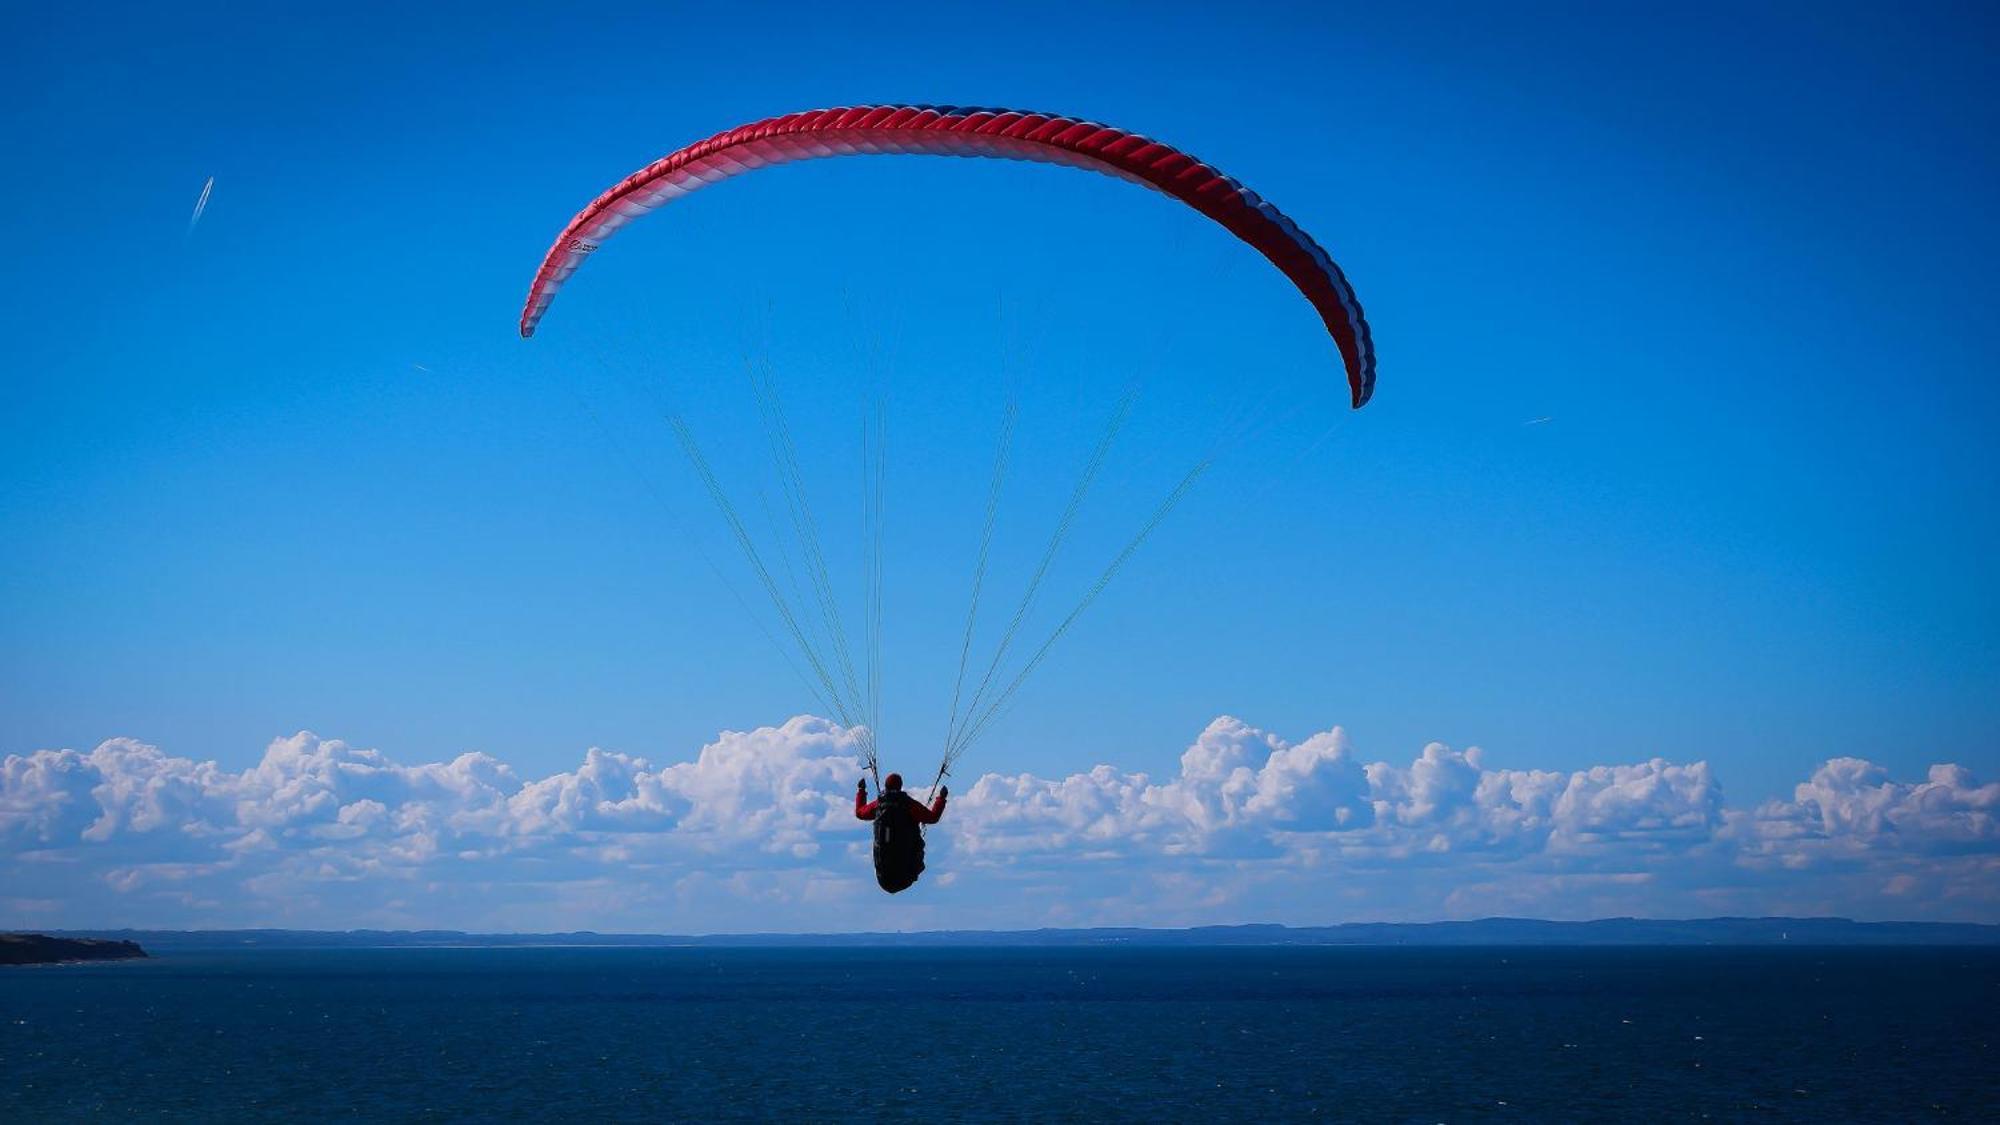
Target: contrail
<point x="1537" y="421"/>
<point x="201" y="204"/>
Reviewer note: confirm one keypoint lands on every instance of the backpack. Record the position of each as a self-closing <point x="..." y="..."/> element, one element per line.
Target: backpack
<point x="899" y="842"/>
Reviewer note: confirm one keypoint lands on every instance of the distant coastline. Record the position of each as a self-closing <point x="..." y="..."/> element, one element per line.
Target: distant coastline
<point x="1481" y="932"/>
<point x="44" y="949"/>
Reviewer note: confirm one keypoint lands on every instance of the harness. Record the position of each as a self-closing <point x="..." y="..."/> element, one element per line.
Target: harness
<point x="899" y="842"/>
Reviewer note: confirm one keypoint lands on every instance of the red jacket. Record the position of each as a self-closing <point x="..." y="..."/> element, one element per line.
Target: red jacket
<point x="864" y="809"/>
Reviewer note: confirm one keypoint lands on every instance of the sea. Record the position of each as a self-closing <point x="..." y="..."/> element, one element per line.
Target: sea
<point x="1008" y="1034"/>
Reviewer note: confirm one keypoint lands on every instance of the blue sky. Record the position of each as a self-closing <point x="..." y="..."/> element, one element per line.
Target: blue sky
<point x="293" y="470"/>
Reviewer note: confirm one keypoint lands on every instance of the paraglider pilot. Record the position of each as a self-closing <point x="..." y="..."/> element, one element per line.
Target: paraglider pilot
<point x="899" y="839"/>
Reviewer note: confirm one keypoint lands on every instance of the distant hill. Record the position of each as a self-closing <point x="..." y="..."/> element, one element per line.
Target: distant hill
<point x="1483" y="932"/>
<point x="42" y="949"/>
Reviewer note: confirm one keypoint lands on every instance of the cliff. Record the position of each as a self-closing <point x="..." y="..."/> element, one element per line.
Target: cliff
<point x="40" y="949"/>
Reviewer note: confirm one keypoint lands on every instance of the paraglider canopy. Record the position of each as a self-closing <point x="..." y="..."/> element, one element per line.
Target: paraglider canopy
<point x="960" y="131"/>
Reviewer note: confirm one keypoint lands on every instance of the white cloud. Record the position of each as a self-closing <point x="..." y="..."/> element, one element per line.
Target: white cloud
<point x="755" y="833"/>
<point x="1853" y="803"/>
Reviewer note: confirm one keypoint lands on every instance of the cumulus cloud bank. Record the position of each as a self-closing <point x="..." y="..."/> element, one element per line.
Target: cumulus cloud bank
<point x="755" y="833"/>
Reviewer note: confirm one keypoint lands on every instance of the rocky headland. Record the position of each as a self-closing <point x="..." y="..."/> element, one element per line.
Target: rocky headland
<point x="41" y="949"/>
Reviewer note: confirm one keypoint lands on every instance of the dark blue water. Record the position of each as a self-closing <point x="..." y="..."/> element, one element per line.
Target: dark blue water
<point x="1009" y="1034"/>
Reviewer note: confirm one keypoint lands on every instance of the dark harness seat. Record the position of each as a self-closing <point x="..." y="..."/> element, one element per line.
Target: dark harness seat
<point x="899" y="842"/>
